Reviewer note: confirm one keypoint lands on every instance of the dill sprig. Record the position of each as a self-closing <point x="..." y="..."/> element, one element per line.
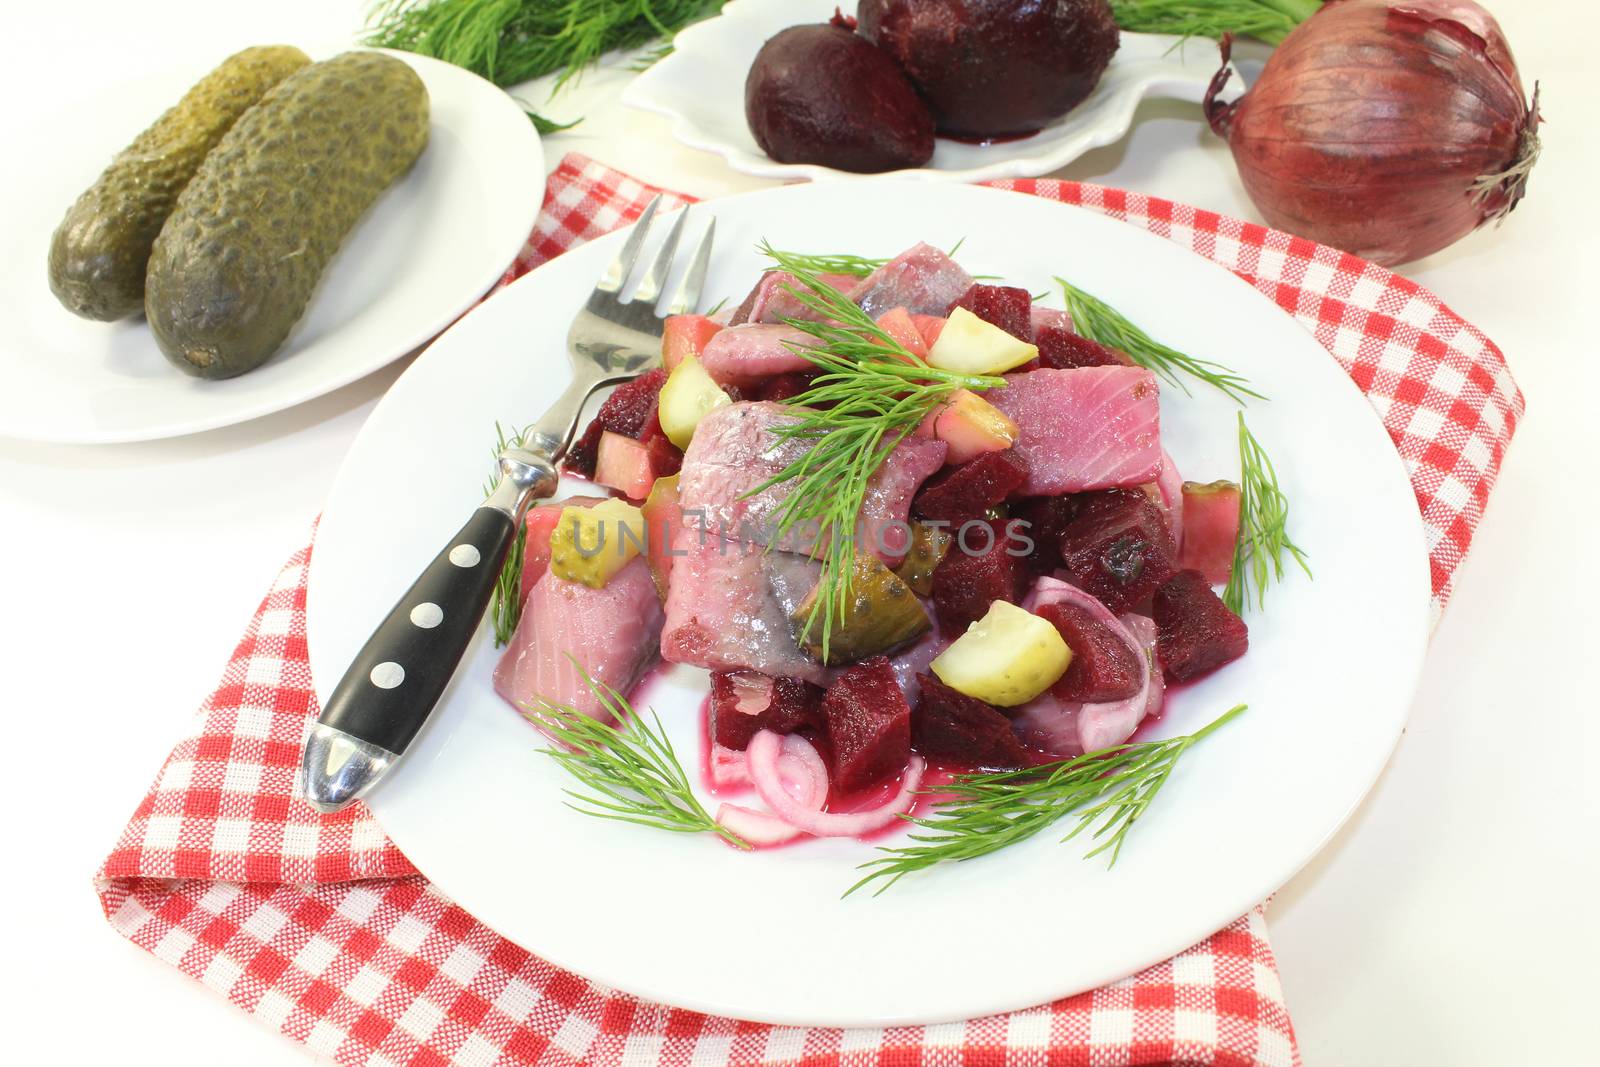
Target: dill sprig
<point x="983" y="813"/>
<point x="505" y="604"/>
<point x="871" y="393"/>
<point x="857" y="266"/>
<point x="1266" y="20"/>
<point x="1098" y="321"/>
<point x="629" y="770"/>
<point x="834" y="263"/>
<point x="510" y="41"/>
<point x="1263" y="527"/>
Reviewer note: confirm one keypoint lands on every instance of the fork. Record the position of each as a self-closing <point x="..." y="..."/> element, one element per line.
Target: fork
<point x="392" y="685"/>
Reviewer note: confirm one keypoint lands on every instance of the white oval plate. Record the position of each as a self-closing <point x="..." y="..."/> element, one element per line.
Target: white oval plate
<point x="700" y="87"/>
<point x="765" y="935"/>
<point x="434" y="243"/>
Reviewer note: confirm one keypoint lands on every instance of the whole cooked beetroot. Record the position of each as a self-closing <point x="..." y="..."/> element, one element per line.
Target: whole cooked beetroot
<point x="821" y="94"/>
<point x="995" y="68"/>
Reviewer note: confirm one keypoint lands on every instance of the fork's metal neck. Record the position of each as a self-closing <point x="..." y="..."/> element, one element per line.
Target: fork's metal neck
<point x="552" y="434"/>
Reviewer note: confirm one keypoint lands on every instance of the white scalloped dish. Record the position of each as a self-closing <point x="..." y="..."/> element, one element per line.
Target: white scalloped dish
<point x="700" y="88"/>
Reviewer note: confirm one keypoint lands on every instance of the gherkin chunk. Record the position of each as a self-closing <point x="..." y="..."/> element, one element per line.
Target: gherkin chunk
<point x="882" y="614"/>
<point x="928" y="546"/>
<point x="236" y="264"/>
<point x="99" y="252"/>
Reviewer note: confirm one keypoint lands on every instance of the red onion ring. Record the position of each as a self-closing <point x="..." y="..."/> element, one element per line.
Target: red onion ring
<point x="802" y="776"/>
<point x="763" y="754"/>
<point x="1042" y="722"/>
<point x="1170" y="485"/>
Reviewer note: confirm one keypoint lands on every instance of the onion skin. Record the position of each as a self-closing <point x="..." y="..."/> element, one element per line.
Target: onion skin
<point x="1387" y="128"/>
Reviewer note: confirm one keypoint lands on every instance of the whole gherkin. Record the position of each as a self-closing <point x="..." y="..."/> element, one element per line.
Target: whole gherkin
<point x="99" y="252"/>
<point x="241" y="255"/>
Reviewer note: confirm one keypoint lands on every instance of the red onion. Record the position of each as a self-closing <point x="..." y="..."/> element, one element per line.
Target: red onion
<point x="1053" y="725"/>
<point x="1169" y="484"/>
<point x="802" y="776"/>
<point x="1387" y="128"/>
<point x="728" y="767"/>
<point x="758" y="829"/>
<point x="764" y="751"/>
<point x="1143" y="629"/>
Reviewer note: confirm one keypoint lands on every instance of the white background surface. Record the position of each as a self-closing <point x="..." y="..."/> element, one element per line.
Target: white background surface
<point x="1450" y="922"/>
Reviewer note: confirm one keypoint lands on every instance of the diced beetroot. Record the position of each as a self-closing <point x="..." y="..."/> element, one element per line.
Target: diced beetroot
<point x="626" y="411"/>
<point x="970" y="490"/>
<point x="1116" y="548"/>
<point x="1210" y="529"/>
<point x="1005" y="306"/>
<point x="743" y="702"/>
<point x="978" y="569"/>
<point x="665" y="457"/>
<point x="930" y="327"/>
<point x="1103" y="667"/>
<point x="781" y="387"/>
<point x="869" y="725"/>
<point x="685" y="335"/>
<point x="949" y="725"/>
<point x="1043" y="519"/>
<point x="896" y="322"/>
<point x="1196" y="631"/>
<point x="1062" y="349"/>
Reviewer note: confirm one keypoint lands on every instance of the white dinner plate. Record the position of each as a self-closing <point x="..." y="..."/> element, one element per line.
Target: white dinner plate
<point x="700" y="88"/>
<point x="434" y="243"/>
<point x="689" y="921"/>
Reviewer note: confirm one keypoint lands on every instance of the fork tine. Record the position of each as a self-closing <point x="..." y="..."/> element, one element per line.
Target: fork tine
<point x="654" y="278"/>
<point x="688" y="295"/>
<point x="611" y="281"/>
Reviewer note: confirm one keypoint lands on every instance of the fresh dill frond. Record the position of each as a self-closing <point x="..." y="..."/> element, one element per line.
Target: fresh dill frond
<point x="630" y="772"/>
<point x="1098" y="321"/>
<point x="1263" y="528"/>
<point x="1107" y="791"/>
<point x="505" y="604"/>
<point x="511" y="41"/>
<point x="871" y="393"/>
<point x="1266" y="20"/>
<point x="834" y="263"/>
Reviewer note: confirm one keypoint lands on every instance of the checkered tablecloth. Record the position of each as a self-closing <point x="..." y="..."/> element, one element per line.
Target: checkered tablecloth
<point x="318" y="926"/>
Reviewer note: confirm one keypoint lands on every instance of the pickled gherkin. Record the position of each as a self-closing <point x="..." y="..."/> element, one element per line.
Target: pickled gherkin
<point x="881" y="615"/>
<point x="241" y="255"/>
<point x="99" y="252"/>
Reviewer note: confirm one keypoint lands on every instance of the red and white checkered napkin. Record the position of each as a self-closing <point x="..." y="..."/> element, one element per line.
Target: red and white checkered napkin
<point x="317" y="925"/>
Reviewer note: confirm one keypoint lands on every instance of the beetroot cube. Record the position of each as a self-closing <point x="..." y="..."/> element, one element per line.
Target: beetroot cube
<point x="796" y="705"/>
<point x="1195" y="631"/>
<point x="1005" y="306"/>
<point x="979" y="568"/>
<point x="948" y="725"/>
<point x="1117" y="548"/>
<point x="970" y="490"/>
<point x="628" y="411"/>
<point x="869" y="725"/>
<point x="665" y="457"/>
<point x="743" y="702"/>
<point x="781" y="387"/>
<point x="1103" y="667"/>
<point x="1043" y="519"/>
<point x="1061" y="349"/>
